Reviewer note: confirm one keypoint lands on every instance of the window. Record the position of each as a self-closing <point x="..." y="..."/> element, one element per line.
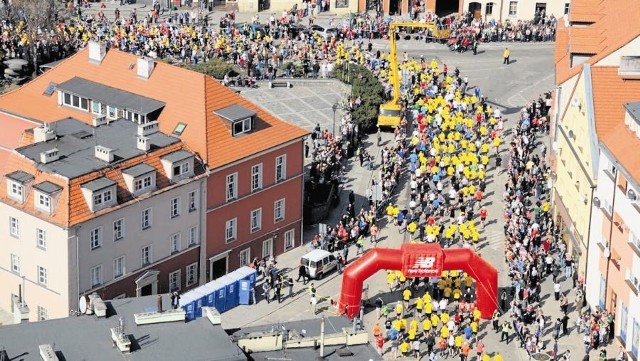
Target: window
<point x="15" y="263"/>
<point x="102" y="197"/>
<point x="112" y="112"/>
<point x="256" y="220"/>
<point x="242" y="126"/>
<point x="174" y="240"/>
<point x="230" y="230"/>
<point x="174" y="281"/>
<point x="96" y="276"/>
<point x="118" y="229"/>
<point x="623" y="322"/>
<point x="180" y="169"/>
<point x="566" y="8"/>
<point x="118" y="267"/>
<point x="41" y="236"/>
<point x="232" y="186"/>
<point x="42" y="275"/>
<point x="175" y="207"/>
<point x="44" y="202"/>
<point x="245" y="257"/>
<point x="281" y="168"/>
<point x="267" y="248"/>
<point x="142" y="183"/>
<point x="513" y="8"/>
<point x="289" y="239"/>
<point x="179" y="128"/>
<point x="14" y="227"/>
<point x="96" y="108"/>
<point x="192" y="198"/>
<point x="278" y="210"/>
<point x="75" y="101"/>
<point x="256" y="177"/>
<point x="42" y="313"/>
<point x="147" y="257"/>
<point x="192" y="274"/>
<point x="95" y="238"/>
<point x="635" y="338"/>
<point x="488" y="10"/>
<point x="16" y="191"/>
<point x="193" y="236"/>
<point x="146" y="218"/>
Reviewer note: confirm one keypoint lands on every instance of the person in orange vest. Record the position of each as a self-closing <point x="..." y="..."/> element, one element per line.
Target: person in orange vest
<point x="376" y="330"/>
<point x="505" y="55"/>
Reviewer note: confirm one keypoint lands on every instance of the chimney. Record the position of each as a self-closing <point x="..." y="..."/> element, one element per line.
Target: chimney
<point x="49" y="156"/>
<point x="97" y="52"/>
<point x="43" y="134"/>
<point x="143" y="143"/>
<point x="159" y="303"/>
<point x="99" y="120"/>
<point x="104" y="154"/>
<point x="148" y="129"/>
<point x="145" y="67"/>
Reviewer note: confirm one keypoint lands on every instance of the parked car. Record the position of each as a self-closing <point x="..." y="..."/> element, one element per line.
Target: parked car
<point x="318" y="263"/>
<point x="325" y="33"/>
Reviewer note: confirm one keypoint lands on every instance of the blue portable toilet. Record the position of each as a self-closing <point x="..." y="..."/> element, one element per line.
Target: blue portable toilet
<point x="247" y="273"/>
<point x="200" y="299"/>
<point x="244" y="292"/>
<point x="231" y="286"/>
<point x="220" y="291"/>
<point x="188" y="305"/>
<point x="209" y="290"/>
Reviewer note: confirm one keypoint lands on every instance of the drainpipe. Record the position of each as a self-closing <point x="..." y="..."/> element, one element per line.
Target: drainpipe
<point x="302" y="195"/>
<point x="501" y="7"/>
<point x="77" y="269"/>
<point x="586" y="267"/>
<point x="609" y="241"/>
<point x="202" y="226"/>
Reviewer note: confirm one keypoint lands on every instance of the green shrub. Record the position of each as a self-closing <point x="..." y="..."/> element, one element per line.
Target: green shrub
<point x="216" y="68"/>
<point x="366" y="86"/>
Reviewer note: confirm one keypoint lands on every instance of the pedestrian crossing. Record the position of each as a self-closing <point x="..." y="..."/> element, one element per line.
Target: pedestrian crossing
<point x="493" y="240"/>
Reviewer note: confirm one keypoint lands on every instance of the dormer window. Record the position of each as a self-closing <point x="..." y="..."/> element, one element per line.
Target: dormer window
<point x="75" y="101"/>
<point x="142" y="183"/>
<point x="178" y="165"/>
<point x="112" y="112"/>
<point x="140" y="179"/>
<point x="44" y="192"/>
<point x="241" y="120"/>
<point x="16" y="182"/>
<point x="100" y="194"/>
<point x="102" y="198"/>
<point x="97" y="108"/>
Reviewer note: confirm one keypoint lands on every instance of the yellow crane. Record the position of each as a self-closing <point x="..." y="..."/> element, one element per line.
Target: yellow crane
<point x="391" y="112"/>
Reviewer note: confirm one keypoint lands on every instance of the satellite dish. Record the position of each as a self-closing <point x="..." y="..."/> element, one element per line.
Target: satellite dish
<point x="607" y="252"/>
<point x="82" y="305"/>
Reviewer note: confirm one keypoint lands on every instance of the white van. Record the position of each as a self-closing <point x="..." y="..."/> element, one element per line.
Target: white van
<point x="318" y="263"/>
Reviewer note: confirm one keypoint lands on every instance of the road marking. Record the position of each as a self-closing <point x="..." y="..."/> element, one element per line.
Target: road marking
<point x="519" y="93"/>
<point x="493" y="240"/>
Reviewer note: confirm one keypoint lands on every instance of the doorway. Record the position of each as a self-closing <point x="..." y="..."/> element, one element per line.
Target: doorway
<point x="446" y="7"/>
<point x="146" y="290"/>
<point x="394" y="7"/>
<point x="218" y="268"/>
<point x="147" y="283"/>
<point x="541" y="9"/>
<point x="475" y="9"/>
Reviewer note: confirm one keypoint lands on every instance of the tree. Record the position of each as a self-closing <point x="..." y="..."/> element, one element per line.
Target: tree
<point x="366" y="86"/>
<point x="38" y="17"/>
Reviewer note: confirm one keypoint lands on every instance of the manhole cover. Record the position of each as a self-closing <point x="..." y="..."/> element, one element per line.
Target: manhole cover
<point x="541" y="357"/>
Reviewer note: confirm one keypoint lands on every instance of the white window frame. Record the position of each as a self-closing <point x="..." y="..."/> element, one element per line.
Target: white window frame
<point x="256" y="177"/>
<point x="15" y="263"/>
<point x="100" y="198"/>
<point x="175" y="241"/>
<point x="231" y="230"/>
<point x="146" y="218"/>
<point x="71" y="101"/>
<point x="43" y="202"/>
<point x="279" y="210"/>
<point x="289" y="239"/>
<point x="231" y="186"/>
<point x="245" y="124"/>
<point x="142" y="183"/>
<point x="112" y="112"/>
<point x="118" y="229"/>
<point x="255" y="220"/>
<point x="15" y="190"/>
<point x="245" y="257"/>
<point x="95" y="104"/>
<point x="95" y="274"/>
<point x="193" y="236"/>
<point x="14" y="227"/>
<point x="119" y="266"/>
<point x="43" y="314"/>
<point x="192" y="201"/>
<point x="182" y="168"/>
<point x="175" y="280"/>
<point x="191" y="273"/>
<point x="146" y="255"/>
<point x="174" y="208"/>
<point x="267" y="245"/>
<point x="95" y="238"/>
<point x="513" y="4"/>
<point x="41" y="238"/>
<point x="281" y="168"/>
<point x="42" y="275"/>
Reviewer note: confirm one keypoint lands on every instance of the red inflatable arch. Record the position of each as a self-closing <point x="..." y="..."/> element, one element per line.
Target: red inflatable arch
<point x="420" y="260"/>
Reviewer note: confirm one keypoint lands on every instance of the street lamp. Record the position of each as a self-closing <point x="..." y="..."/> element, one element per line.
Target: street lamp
<point x="334" y="107"/>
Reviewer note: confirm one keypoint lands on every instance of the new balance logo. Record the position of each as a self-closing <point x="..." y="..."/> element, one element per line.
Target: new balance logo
<point x="424" y="263"/>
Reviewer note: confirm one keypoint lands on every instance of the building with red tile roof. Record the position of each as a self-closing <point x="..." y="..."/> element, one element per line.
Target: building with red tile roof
<point x="201" y="179"/>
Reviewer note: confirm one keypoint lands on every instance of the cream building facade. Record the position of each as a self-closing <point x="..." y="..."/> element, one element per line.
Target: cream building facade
<point x="514" y="10"/>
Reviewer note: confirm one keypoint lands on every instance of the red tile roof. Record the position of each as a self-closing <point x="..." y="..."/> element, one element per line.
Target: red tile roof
<point x="190" y="98"/>
<point x="623" y="145"/>
<point x="12" y="130"/>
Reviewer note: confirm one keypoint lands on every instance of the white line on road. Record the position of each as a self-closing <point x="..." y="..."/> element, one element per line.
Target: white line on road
<point x="519" y="93"/>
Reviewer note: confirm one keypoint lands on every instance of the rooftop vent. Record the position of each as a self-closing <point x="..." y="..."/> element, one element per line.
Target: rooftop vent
<point x="145" y="67"/>
<point x="43" y="134"/>
<point x="49" y="156"/>
<point x="47" y="353"/>
<point x="99" y="120"/>
<point x="142" y="143"/>
<point x="148" y="129"/>
<point x="104" y="154"/>
<point x="97" y="52"/>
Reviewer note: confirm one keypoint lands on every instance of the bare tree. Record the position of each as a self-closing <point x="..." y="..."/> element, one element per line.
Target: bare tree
<point x="39" y="18"/>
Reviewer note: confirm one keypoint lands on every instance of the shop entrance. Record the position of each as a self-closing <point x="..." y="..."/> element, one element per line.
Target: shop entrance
<point x="446" y="7"/>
